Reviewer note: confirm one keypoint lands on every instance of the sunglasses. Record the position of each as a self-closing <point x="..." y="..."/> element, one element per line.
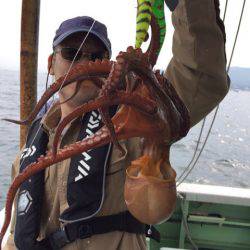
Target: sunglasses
<point x="71" y="54"/>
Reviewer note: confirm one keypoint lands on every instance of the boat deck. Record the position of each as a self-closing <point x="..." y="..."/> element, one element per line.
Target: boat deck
<point x="213" y="217"/>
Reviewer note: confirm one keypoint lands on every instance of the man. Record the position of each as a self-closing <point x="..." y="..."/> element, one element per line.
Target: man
<point x="197" y="71"/>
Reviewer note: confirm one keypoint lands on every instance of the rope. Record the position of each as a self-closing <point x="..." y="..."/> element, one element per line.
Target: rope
<point x="217" y="108"/>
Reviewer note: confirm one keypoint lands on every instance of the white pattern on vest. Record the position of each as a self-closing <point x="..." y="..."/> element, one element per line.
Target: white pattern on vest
<point x="28" y="152"/>
<point x="83" y="168"/>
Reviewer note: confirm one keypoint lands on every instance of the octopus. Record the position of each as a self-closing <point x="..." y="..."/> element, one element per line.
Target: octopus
<point x="143" y="96"/>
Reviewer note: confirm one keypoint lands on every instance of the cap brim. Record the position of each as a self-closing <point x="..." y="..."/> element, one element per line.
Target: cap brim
<point x="82" y="29"/>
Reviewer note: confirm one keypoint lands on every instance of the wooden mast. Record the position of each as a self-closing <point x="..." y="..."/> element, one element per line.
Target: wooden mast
<point x="28" y="60"/>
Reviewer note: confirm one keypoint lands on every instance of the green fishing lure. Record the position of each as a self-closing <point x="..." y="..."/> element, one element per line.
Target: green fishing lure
<point x="143" y="19"/>
<point x="145" y="9"/>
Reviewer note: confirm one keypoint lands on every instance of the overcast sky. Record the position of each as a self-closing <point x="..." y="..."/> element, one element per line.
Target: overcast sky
<point x="118" y="15"/>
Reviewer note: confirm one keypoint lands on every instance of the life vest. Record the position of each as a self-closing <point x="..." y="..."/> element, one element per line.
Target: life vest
<point x="172" y="4"/>
<point x="85" y="186"/>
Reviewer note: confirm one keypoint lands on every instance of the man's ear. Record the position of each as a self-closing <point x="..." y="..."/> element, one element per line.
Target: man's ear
<point x="50" y="64"/>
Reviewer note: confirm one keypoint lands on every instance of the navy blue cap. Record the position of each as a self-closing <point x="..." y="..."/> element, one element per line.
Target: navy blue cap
<point x="82" y="24"/>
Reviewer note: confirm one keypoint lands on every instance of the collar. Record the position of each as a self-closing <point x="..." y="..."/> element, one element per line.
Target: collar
<point x="51" y="119"/>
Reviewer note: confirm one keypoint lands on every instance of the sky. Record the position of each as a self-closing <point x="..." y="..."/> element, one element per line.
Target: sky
<point x="119" y="16"/>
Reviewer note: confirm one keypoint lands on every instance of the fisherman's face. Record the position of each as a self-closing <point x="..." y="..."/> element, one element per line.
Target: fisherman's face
<point x="86" y="90"/>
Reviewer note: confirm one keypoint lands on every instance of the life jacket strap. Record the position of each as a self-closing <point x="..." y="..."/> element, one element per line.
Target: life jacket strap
<point x="99" y="225"/>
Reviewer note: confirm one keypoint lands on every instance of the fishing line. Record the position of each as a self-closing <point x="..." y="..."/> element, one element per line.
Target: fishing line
<point x="217" y="108"/>
<point x="46" y="86"/>
<point x="201" y="150"/>
<point x="196" y="150"/>
<point x="67" y="73"/>
<point x="80" y="47"/>
<point x="235" y="41"/>
<point x="225" y="11"/>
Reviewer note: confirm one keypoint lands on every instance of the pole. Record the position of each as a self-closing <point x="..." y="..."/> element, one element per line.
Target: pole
<point x="28" y="60"/>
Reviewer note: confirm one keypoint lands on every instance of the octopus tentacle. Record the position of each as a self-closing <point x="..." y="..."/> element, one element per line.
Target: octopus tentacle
<point x="143" y="104"/>
<point x="107" y="121"/>
<point x="171" y="92"/>
<point x="109" y="88"/>
<point x="138" y="63"/>
<point x="119" y="69"/>
<point x="155" y="45"/>
<point x="83" y="71"/>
